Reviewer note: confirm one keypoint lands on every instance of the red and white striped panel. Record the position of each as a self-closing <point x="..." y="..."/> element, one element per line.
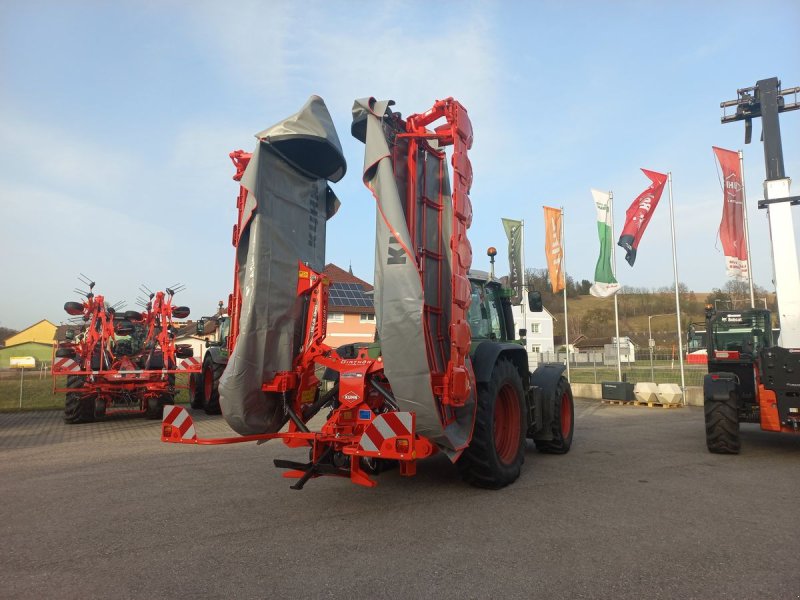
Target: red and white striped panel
<point x="65" y="365"/>
<point x="182" y="426"/>
<point x="189" y="364"/>
<point x="385" y="427"/>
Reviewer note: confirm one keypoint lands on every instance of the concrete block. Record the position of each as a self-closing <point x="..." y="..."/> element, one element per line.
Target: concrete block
<point x="586" y="390"/>
<point x="646" y="391"/>
<point x="694" y="395"/>
<point x="669" y="393"/>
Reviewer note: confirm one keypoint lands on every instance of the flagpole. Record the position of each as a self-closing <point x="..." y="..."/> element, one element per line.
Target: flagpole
<point x="746" y="232"/>
<point x="564" y="272"/>
<point x="614" y="270"/>
<point x="677" y="295"/>
<point x="524" y="298"/>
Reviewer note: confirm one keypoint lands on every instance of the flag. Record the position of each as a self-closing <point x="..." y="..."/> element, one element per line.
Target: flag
<point x="553" y="248"/>
<point x="731" y="229"/>
<point x="514" y="233"/>
<point x="605" y="284"/>
<point x="639" y="213"/>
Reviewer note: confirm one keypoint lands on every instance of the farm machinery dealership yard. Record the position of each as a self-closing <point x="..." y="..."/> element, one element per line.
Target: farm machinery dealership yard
<point x="404" y="388"/>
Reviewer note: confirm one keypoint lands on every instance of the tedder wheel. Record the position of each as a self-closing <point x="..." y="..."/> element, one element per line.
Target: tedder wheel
<point x="78" y="408"/>
<point x="563" y="421"/>
<point x="495" y="455"/>
<point x="212" y="372"/>
<point x="155" y="406"/>
<point x="722" y="425"/>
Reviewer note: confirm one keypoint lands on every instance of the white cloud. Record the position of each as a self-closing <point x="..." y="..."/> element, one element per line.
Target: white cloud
<point x="260" y="42"/>
<point x="56" y="156"/>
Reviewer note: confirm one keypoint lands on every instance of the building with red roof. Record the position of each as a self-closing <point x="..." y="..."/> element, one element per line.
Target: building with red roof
<point x="351" y="312"/>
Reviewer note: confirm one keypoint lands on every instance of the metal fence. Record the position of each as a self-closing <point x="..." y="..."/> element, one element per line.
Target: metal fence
<point x="595" y="367"/>
<point x="30" y="389"/>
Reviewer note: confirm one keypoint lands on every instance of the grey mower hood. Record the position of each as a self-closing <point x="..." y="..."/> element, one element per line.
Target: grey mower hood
<point x="401" y="299"/>
<point x="307" y="140"/>
<point x="284" y="221"/>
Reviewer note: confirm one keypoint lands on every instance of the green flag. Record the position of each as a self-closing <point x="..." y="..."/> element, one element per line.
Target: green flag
<point x="515" y="280"/>
<point x="605" y="285"/>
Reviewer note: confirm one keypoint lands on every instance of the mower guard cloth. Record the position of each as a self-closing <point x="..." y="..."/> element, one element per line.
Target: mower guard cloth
<point x="288" y="203"/>
<point x="400" y="297"/>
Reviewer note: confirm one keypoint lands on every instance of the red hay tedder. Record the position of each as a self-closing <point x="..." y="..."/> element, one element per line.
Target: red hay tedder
<point x="120" y="363"/>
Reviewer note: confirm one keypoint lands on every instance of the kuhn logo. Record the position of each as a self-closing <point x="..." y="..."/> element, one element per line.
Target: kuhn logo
<point x="395" y="252"/>
<point x="351" y="396"/>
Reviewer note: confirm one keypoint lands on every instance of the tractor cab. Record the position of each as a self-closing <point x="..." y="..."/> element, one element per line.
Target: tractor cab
<point x="736" y="333"/>
<point x="486" y="312"/>
<point x="215" y="330"/>
<point x="489" y="314"/>
<point x="734" y="341"/>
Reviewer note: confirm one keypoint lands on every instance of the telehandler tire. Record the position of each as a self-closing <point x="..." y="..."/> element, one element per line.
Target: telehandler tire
<point x="563" y="421"/>
<point x="78" y="408"/>
<point x="722" y="425"/>
<point x="496" y="452"/>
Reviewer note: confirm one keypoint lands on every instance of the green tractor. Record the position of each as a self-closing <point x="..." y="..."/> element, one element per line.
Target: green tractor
<point x="204" y="386"/>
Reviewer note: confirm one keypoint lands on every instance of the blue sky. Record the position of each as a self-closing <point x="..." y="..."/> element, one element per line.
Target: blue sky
<point x="117" y="120"/>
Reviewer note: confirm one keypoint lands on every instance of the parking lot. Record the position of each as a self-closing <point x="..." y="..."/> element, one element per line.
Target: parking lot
<point x="638" y="509"/>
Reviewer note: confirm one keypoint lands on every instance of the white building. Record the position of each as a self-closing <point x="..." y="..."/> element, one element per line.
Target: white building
<point x="539" y="327"/>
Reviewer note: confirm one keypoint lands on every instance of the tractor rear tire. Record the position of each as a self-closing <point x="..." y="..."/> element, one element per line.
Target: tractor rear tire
<point x="722" y="425"/>
<point x="211" y="374"/>
<point x="65" y="353"/>
<point x="78" y="408"/>
<point x="496" y="452"/>
<point x="563" y="421"/>
<point x="196" y="398"/>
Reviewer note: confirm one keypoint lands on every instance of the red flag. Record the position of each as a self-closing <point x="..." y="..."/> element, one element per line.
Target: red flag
<point x="638" y="214"/>
<point x="731" y="229"/>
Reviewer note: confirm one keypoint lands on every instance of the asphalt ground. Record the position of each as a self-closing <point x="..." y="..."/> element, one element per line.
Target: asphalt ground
<point x="638" y="509"/>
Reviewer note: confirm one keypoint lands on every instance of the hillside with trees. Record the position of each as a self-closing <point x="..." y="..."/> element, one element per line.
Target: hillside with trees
<point x="6" y="333"/>
<point x="594" y="317"/>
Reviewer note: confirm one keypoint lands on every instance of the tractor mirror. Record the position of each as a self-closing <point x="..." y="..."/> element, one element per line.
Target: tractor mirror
<point x="523" y="333"/>
<point x="535" y="301"/>
<point x="69" y="334"/>
<point x="73" y="308"/>
<point x="184" y="351"/>
<point x="180" y="312"/>
<point x="201" y="327"/>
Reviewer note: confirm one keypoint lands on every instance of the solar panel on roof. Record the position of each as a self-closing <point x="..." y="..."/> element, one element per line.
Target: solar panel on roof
<point x="349" y="294"/>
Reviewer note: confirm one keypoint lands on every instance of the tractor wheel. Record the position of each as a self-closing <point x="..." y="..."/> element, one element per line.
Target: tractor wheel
<point x="196" y="397"/>
<point x="65" y="353"/>
<point x="211" y="374"/>
<point x="495" y="455"/>
<point x="156" y="361"/>
<point x="722" y="425"/>
<point x="78" y="408"/>
<point x="563" y="421"/>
